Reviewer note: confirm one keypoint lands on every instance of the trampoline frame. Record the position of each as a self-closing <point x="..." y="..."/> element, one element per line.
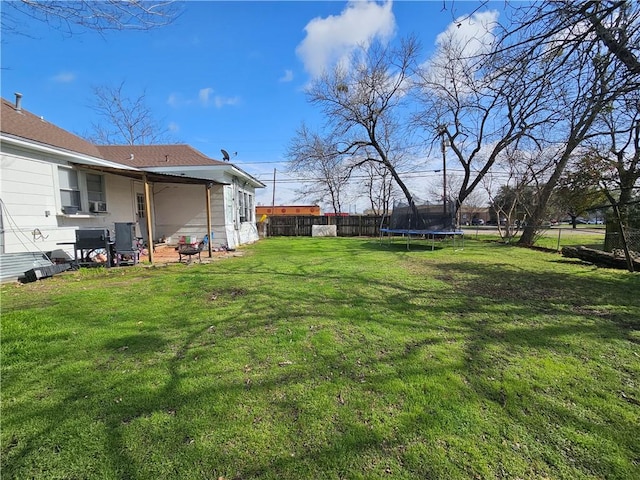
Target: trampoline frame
<point x="429" y="234"/>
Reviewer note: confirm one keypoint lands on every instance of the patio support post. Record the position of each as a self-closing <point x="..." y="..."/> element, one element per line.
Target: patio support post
<point x="147" y="206"/>
<point x="209" y="227"/>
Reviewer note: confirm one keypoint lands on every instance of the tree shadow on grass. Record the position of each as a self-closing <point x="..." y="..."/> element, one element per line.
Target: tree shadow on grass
<point x="135" y="344"/>
<point x="544" y="311"/>
<point x="548" y="291"/>
<point x="400" y="245"/>
<point x="563" y="324"/>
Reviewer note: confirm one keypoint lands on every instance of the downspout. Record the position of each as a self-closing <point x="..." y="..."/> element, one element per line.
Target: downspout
<point x="209" y="226"/>
<point x="236" y="204"/>
<point x="147" y="206"/>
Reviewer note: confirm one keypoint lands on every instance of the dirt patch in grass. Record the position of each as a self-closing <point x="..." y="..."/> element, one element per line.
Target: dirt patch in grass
<point x="228" y="293"/>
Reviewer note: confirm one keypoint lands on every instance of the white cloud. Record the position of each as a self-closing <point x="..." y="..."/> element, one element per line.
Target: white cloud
<point x="173" y="127"/>
<point x="64" y="77"/>
<point x="330" y="40"/>
<point x="220" y="102"/>
<point x="175" y="100"/>
<point x="453" y="62"/>
<point x="287" y="77"/>
<point x="204" y="94"/>
<point x="205" y="98"/>
<point x="471" y="34"/>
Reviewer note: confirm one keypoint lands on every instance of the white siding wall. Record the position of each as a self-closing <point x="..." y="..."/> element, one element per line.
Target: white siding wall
<point x="181" y="210"/>
<point x="29" y="189"/>
<point x="27" y="192"/>
<point x="238" y="233"/>
<point x="248" y="233"/>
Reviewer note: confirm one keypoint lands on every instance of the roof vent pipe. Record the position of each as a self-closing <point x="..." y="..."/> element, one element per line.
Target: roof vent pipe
<point x="18" y="102"/>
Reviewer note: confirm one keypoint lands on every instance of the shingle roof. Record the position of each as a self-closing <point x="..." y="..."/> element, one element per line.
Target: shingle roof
<point x="28" y="126"/>
<point x="141" y="156"/>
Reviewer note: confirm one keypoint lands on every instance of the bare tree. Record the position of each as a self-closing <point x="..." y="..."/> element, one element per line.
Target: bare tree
<point x="476" y="109"/>
<point x="513" y="190"/>
<point x="125" y="120"/>
<point x="378" y="186"/>
<point x="99" y="16"/>
<point x="474" y="205"/>
<point x="586" y="55"/>
<point x="613" y="161"/>
<point x="315" y="160"/>
<point x="615" y="151"/>
<point x="363" y="104"/>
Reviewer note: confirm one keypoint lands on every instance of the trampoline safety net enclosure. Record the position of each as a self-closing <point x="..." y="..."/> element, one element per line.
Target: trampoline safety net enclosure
<point x="428" y="221"/>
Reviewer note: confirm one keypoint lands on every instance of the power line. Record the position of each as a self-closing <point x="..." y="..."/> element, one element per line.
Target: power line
<point x="412" y="175"/>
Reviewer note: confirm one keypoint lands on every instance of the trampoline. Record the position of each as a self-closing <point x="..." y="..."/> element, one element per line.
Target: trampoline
<point x="432" y="235"/>
<point x="421" y="221"/>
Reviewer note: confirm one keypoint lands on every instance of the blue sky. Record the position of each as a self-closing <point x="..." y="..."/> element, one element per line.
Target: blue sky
<point x="224" y="75"/>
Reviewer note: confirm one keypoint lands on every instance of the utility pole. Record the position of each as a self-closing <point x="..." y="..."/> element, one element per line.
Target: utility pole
<point x="273" y="199"/>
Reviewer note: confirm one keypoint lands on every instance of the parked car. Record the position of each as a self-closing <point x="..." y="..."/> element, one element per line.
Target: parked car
<point x="477" y="221"/>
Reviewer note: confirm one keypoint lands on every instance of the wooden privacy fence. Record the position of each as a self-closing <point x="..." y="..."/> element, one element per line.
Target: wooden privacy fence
<point x="300" y="225"/>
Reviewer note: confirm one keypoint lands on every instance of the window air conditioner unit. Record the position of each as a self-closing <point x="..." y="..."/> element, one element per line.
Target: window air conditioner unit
<point x="97" y="206"/>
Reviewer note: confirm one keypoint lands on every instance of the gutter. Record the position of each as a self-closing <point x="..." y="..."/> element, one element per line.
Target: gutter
<point x="74" y="156"/>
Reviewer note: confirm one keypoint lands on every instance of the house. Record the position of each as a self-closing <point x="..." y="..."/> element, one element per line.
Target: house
<point x="53" y="182"/>
<point x="181" y="207"/>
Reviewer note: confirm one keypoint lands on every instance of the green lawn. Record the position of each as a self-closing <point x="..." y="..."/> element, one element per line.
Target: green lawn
<point x="552" y="238"/>
<point x="326" y="358"/>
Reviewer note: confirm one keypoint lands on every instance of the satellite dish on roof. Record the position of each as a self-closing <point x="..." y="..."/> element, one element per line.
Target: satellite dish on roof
<point x="225" y="155"/>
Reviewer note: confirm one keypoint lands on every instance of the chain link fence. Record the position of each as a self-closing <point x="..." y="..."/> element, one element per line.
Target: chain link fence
<point x="613" y="241"/>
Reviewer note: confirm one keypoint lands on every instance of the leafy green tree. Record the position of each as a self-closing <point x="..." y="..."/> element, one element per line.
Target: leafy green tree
<point x="578" y="192"/>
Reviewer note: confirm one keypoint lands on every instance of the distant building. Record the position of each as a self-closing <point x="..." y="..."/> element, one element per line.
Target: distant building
<point x="470" y="215"/>
<point x="287" y="210"/>
<point x="339" y="214"/>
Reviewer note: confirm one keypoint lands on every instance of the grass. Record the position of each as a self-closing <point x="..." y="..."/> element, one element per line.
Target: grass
<point x="555" y="238"/>
<point x="326" y="358"/>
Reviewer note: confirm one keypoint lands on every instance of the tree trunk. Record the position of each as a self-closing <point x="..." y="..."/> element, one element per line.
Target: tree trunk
<point x="623" y="238"/>
<point x="600" y="258"/>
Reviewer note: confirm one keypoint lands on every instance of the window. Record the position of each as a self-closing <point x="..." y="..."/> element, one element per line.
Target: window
<point x="95" y="188"/>
<point x="245" y="207"/>
<point x="241" y="209"/>
<point x="69" y="188"/>
<point x="140" y="210"/>
<point x="81" y="190"/>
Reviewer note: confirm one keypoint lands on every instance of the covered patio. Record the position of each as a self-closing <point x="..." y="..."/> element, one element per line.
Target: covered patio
<point x="148" y="178"/>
